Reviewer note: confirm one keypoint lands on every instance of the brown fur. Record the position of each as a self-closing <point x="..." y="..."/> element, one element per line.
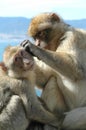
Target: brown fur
<point x="61" y="47"/>
<point x="19" y="103"/>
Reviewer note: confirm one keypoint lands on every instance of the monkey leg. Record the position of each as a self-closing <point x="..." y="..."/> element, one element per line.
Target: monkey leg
<point x="34" y="109"/>
<point x="38" y="113"/>
<point x="53" y="97"/>
<point x="75" y="119"/>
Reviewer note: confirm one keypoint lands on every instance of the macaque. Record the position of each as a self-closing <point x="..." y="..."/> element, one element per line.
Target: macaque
<point x="18" y="101"/>
<point x="63" y="49"/>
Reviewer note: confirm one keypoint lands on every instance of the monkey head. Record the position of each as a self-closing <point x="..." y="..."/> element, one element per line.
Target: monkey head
<point x="44" y="29"/>
<point x="17" y="60"/>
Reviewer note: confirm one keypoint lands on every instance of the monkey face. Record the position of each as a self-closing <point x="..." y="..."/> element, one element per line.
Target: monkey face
<point x="42" y="29"/>
<point x="17" y="58"/>
<point x="41" y="38"/>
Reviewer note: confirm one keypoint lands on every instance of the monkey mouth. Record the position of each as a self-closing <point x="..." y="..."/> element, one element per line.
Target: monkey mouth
<point x="28" y="64"/>
<point x="25" y="60"/>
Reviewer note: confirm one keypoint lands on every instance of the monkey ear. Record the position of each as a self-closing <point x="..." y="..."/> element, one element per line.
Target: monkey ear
<point x="55" y="17"/>
<point x="8" y="47"/>
<point x="2" y="65"/>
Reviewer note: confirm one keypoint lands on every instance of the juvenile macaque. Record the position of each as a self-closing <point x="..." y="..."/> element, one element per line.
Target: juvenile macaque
<point x="18" y="101"/>
<point x="63" y="48"/>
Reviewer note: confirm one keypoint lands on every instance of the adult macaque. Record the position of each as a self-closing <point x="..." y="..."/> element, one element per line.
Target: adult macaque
<point x="63" y="48"/>
<point x="18" y="101"/>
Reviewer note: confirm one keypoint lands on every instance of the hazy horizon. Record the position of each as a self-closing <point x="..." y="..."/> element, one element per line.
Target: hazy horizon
<point x="67" y="9"/>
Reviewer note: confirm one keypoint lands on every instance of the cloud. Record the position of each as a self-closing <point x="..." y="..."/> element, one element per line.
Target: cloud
<point x="29" y="8"/>
<point x="38" y="3"/>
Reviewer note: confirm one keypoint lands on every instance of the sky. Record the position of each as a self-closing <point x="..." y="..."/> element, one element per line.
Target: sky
<point x="67" y="9"/>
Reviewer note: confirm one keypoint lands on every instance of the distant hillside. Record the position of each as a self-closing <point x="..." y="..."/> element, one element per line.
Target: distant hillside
<point x="19" y="25"/>
<point x="77" y="23"/>
<point x="14" y="25"/>
<point x="15" y="28"/>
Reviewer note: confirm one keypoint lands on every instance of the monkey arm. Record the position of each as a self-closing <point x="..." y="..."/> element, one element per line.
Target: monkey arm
<point x="62" y="62"/>
<point x="39" y="113"/>
<point x="12" y="114"/>
<point x="34" y="109"/>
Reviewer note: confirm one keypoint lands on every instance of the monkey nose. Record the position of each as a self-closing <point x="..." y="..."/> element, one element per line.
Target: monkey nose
<point x="23" y="53"/>
<point x="37" y="43"/>
<point x="17" y="60"/>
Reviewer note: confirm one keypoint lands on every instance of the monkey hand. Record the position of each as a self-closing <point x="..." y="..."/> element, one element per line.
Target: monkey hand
<point x="28" y="46"/>
<point x="32" y="49"/>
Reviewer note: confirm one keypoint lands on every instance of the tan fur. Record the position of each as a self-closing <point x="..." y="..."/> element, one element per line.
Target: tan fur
<point x="19" y="103"/>
<point x="63" y="48"/>
<point x="46" y="79"/>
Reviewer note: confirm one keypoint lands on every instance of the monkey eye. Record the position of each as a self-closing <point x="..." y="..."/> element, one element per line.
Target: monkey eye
<point x="42" y="34"/>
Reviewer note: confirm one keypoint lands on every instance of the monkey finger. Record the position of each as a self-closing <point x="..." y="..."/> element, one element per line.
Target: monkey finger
<point x="23" y="43"/>
<point x="27" y="46"/>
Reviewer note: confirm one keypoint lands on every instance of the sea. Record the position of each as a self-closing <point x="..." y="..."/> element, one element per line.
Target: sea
<point x="3" y="45"/>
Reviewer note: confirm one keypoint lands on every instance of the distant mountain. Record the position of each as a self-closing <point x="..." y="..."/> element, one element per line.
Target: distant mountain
<point x="77" y="23"/>
<point x="14" y="25"/>
<point x="19" y="25"/>
<point x="15" y="28"/>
